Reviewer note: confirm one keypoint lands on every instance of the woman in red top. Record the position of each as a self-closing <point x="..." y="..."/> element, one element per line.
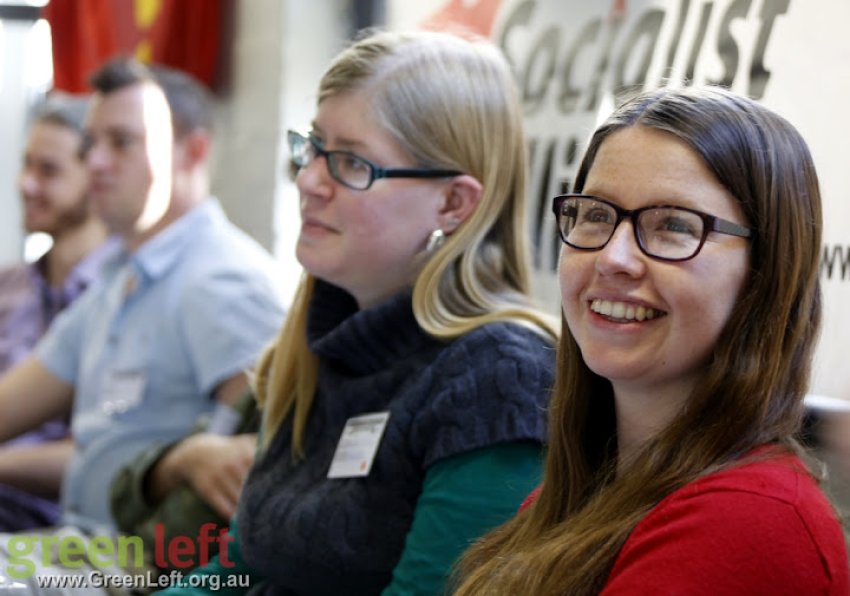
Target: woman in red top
<point x="691" y="302"/>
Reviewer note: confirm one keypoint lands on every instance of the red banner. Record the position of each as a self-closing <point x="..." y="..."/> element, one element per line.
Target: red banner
<point x="461" y="15"/>
<point x="185" y="34"/>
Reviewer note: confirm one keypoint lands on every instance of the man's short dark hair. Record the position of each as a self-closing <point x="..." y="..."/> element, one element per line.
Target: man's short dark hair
<point x="188" y="100"/>
<point x="66" y="111"/>
<point x="63" y="110"/>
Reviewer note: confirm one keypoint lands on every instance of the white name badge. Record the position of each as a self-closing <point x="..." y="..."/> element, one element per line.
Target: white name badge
<point x="122" y="391"/>
<point x="358" y="445"/>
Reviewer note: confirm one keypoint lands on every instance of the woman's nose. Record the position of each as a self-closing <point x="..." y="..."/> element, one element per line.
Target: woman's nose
<point x="315" y="179"/>
<point x="622" y="254"/>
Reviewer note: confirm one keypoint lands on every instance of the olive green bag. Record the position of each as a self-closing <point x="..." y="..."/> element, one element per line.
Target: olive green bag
<point x="182" y="512"/>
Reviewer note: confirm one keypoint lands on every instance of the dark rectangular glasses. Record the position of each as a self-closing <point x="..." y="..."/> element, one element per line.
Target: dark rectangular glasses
<point x="349" y="169"/>
<point x="664" y="232"/>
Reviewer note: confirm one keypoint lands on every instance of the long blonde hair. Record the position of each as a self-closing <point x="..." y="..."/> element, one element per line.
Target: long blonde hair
<point x="750" y="393"/>
<point x="451" y="103"/>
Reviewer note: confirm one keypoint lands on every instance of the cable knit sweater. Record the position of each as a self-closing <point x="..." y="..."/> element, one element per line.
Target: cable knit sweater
<point x="310" y="535"/>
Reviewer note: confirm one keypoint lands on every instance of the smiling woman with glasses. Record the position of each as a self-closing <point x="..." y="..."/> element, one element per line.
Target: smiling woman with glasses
<point x="691" y="305"/>
<point x="404" y="402"/>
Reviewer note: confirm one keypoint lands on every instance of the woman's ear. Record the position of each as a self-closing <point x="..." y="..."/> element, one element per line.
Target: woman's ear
<point x="463" y="194"/>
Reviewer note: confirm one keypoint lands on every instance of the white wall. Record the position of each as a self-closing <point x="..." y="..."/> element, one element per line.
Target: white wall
<point x="279" y="52"/>
<point x="24" y="74"/>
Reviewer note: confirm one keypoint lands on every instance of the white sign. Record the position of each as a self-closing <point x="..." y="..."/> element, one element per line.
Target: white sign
<point x="572" y="56"/>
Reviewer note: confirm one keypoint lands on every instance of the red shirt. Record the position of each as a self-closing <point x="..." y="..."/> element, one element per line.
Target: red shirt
<point x="760" y="528"/>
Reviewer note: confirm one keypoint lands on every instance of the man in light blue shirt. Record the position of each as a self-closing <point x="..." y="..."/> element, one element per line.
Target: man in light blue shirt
<point x="177" y="319"/>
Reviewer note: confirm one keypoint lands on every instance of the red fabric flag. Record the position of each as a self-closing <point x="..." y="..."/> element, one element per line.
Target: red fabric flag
<point x="185" y="34"/>
<point x="459" y="16"/>
<point x="82" y="37"/>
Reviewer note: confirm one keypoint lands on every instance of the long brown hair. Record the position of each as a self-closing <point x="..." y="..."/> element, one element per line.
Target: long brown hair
<point x="749" y="394"/>
<point x="452" y="104"/>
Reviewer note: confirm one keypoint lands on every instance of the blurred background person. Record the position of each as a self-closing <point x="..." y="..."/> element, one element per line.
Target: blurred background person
<point x="168" y="332"/>
<point x="54" y="188"/>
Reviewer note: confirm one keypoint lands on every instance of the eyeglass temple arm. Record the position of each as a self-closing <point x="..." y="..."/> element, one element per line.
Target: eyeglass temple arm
<point x="413" y="173"/>
<point x="733" y="229"/>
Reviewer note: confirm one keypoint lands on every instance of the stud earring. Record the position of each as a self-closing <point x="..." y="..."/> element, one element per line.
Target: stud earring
<point x="435" y="240"/>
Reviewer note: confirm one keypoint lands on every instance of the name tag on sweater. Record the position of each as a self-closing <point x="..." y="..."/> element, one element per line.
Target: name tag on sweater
<point x="358" y="445"/>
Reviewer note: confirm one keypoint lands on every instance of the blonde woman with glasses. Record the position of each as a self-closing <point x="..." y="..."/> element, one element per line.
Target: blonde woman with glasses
<point x="404" y="401"/>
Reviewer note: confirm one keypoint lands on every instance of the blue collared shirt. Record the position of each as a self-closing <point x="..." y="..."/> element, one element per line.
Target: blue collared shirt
<point x="147" y="346"/>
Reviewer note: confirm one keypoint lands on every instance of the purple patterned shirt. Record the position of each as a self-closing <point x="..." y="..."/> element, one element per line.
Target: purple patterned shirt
<point x="27" y="306"/>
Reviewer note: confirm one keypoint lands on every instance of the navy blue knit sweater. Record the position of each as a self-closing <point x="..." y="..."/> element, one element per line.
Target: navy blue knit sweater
<point x="311" y="535"/>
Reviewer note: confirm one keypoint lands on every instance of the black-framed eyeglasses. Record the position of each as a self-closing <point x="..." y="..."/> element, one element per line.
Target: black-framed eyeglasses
<point x="349" y="169"/>
<point x="663" y="232"/>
